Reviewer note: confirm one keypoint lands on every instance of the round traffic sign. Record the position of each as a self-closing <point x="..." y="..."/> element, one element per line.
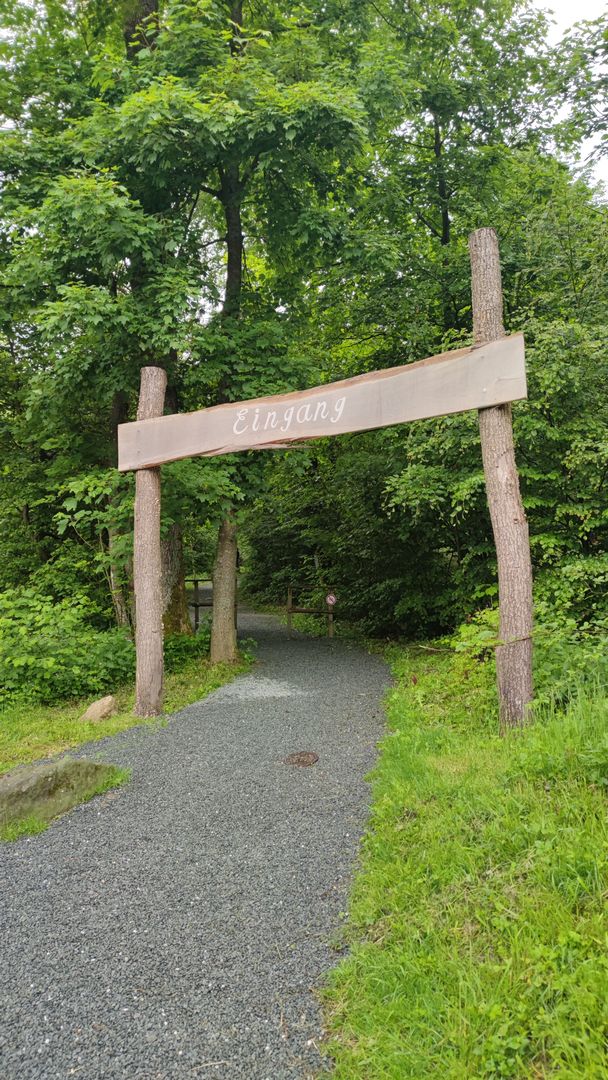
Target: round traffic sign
<point x="330" y="599"/>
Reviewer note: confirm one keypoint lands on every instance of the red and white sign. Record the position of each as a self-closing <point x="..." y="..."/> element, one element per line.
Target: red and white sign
<point x="473" y="378"/>
<point x="330" y="599"/>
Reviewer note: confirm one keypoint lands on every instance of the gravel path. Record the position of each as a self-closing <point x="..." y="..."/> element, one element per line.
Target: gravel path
<point x="176" y="928"/>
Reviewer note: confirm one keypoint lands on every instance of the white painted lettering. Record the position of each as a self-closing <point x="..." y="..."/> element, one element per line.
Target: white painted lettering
<point x="304" y="414"/>
<point x="270" y="423"/>
<point x="338" y="409"/>
<point x="321" y="411"/>
<point x="241" y="418"/>
<point x="287" y="418"/>
<point x="256" y="421"/>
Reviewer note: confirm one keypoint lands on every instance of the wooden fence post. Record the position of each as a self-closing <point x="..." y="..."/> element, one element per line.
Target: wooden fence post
<point x="289" y="616"/>
<point x="147" y="565"/>
<point x="509" y="524"/>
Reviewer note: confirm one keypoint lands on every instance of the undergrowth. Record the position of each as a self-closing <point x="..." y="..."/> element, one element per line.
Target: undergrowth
<point x="478" y="919"/>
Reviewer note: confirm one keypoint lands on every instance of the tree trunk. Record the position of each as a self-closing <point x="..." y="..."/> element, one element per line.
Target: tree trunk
<point x="119" y="601"/>
<point x="117" y="576"/>
<point x="236" y="18"/>
<point x="147" y="561"/>
<point x="446" y="225"/>
<point x="231" y="194"/>
<point x="442" y="187"/>
<point x="176" y="617"/>
<point x="509" y="524"/>
<point x="223" y="630"/>
<point x="137" y="33"/>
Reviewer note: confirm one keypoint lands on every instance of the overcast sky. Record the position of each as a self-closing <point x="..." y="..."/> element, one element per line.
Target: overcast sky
<point x="567" y="12"/>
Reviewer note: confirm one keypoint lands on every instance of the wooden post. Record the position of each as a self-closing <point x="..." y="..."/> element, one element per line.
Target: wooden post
<point x="509" y="524"/>
<point x="330" y="621"/>
<point x="147" y="565"/>
<point x="289" y="607"/>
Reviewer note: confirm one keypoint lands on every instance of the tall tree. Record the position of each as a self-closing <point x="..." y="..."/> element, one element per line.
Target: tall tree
<point x="116" y="208"/>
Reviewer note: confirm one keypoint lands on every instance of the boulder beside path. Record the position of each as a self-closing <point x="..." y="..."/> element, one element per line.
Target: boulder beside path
<point x="45" y="791"/>
<point x="99" y="710"/>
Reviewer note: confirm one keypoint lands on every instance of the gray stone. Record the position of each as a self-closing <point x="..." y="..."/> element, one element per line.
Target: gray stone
<point x="100" y="710"/>
<point x="44" y="791"/>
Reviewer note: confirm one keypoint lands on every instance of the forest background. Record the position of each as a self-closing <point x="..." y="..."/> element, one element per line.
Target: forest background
<point x="261" y="198"/>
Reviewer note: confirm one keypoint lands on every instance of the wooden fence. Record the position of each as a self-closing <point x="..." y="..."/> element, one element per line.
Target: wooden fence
<point x="198" y="601"/>
<point x="293" y="609"/>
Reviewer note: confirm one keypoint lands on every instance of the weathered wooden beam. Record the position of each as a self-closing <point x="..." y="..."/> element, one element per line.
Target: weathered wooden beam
<point x="484" y="375"/>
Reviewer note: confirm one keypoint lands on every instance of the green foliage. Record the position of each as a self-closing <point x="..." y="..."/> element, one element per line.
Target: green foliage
<point x="397" y="521"/>
<point x="49" y="651"/>
<point x="181" y="649"/>
<point x="569" y="659"/>
<point x="582" y="79"/>
<point x="120" y="162"/>
<point x="28" y="826"/>
<point x="478" y="916"/>
<point x="357" y="145"/>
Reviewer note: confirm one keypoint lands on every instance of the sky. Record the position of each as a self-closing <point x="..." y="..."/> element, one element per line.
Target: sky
<point x="565" y="14"/>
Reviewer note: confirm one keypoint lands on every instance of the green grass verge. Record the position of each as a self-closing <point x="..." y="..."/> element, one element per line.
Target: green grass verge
<point x="478" y="922"/>
<point x="30" y="826"/>
<point x="29" y="732"/>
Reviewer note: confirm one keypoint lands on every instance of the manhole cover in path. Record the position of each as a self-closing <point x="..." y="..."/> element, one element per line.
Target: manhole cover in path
<point x="302" y="757"/>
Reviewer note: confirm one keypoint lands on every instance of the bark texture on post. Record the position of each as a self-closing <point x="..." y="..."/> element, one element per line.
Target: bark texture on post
<point x="509" y="524"/>
<point x="147" y="561"/>
<point x="223" y="628"/>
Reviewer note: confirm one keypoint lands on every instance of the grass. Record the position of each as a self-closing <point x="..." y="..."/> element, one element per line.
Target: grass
<point x="478" y="922"/>
<point x="29" y="732"/>
<point x="33" y="824"/>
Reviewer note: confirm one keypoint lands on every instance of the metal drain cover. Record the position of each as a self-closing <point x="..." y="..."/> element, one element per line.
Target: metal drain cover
<point x="302" y="757"/>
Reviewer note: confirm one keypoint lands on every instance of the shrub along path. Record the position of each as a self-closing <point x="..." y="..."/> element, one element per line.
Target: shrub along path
<point x="178" y="926"/>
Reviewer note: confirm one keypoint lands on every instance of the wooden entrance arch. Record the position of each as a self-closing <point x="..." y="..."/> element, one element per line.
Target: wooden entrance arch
<point x="487" y="376"/>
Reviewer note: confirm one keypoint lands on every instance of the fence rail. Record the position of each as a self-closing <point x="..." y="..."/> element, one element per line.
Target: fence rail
<point x="197" y="602"/>
<point x="292" y="609"/>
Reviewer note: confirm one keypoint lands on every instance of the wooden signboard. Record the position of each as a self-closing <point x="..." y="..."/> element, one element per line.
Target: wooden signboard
<point x="473" y="378"/>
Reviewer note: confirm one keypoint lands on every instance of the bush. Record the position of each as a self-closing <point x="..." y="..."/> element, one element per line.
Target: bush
<point x="180" y="648"/>
<point x="568" y="656"/>
<point x="48" y="650"/>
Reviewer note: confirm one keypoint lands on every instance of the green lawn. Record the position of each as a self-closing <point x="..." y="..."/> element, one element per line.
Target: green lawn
<point x="29" y="732"/>
<point x="478" y="922"/>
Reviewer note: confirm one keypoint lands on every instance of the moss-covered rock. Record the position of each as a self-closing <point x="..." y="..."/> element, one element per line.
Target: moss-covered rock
<point x="42" y="792"/>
